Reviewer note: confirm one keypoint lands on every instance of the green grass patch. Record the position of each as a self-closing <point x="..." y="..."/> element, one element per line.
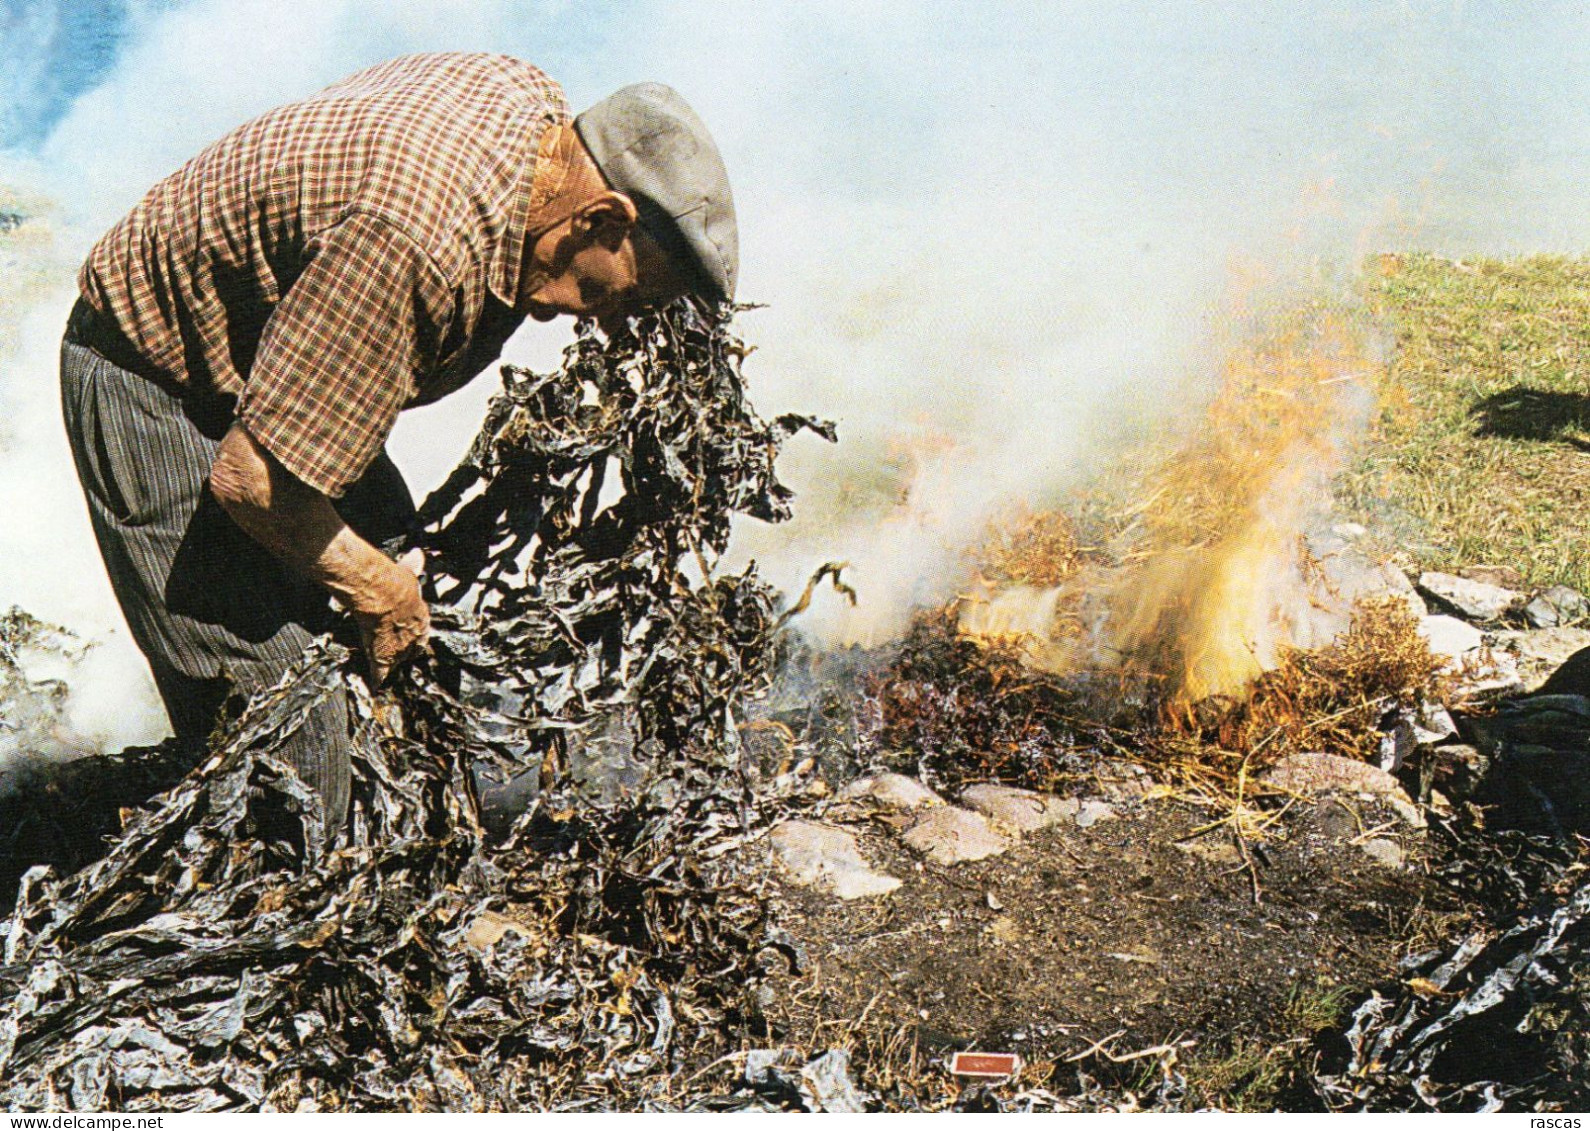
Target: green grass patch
<point x="1480" y="451"/>
<point x="1267" y="1071"/>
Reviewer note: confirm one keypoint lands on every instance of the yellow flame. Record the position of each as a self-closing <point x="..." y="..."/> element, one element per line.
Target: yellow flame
<point x="1214" y="588"/>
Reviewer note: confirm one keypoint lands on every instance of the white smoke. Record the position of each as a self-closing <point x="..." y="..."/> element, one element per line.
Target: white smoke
<point x="988" y="234"/>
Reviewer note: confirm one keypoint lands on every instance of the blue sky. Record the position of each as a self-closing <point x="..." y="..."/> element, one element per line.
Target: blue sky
<point x="49" y="54"/>
<point x="1475" y="107"/>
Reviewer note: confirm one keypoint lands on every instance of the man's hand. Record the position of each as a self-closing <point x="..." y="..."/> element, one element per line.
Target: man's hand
<point x="300" y="526"/>
<point x="393" y="618"/>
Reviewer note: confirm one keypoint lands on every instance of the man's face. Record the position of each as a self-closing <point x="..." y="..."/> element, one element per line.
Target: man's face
<point x="599" y="265"/>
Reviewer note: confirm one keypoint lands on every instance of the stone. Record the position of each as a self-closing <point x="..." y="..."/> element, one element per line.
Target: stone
<point x="1349" y="531"/>
<point x="1412" y="729"/>
<point x="1432" y="723"/>
<point x="1396" y="745"/>
<point x="1123" y="781"/>
<point x="1396" y="582"/>
<point x="1501" y="576"/>
<point x="1343" y="577"/>
<point x="1020" y="810"/>
<point x="1555" y="606"/>
<point x="1542" y="652"/>
<point x="1489" y="674"/>
<point x="827" y="858"/>
<point x="1313" y="773"/>
<point x="1572" y="677"/>
<point x="1541" y="613"/>
<point x="950" y="835"/>
<point x="1221" y="852"/>
<point x="1450" y="637"/>
<point x="1544" y="645"/>
<point x="1093" y="812"/>
<point x="1471" y="600"/>
<point x="894" y="792"/>
<point x="1387" y="853"/>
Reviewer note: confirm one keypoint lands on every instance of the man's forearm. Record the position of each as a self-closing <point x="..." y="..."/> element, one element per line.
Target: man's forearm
<point x="299" y="525"/>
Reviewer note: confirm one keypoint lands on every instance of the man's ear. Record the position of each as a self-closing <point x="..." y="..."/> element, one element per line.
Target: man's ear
<point x="608" y="218"/>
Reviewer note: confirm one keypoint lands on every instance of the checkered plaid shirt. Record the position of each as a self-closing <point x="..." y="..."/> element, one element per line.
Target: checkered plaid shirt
<point x="340" y="258"/>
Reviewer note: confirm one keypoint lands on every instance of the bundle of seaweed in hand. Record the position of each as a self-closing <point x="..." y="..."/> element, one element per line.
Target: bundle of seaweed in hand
<point x="222" y="955"/>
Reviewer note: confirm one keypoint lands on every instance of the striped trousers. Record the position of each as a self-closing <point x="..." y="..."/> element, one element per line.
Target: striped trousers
<point x="210" y="608"/>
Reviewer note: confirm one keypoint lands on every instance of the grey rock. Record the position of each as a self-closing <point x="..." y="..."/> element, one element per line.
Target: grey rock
<point x="1385" y="852"/>
<point x="1450" y="637"/>
<point x="1489" y="674"/>
<point x="1472" y="600"/>
<point x="1123" y="781"/>
<point x="1021" y="810"/>
<point x="1221" y="852"/>
<point x="1433" y="723"/>
<point x="1541" y="651"/>
<point x="1505" y="577"/>
<point x="1396" y="582"/>
<point x="950" y="835"/>
<point x="1093" y="812"/>
<point x="1315" y="772"/>
<point x="894" y="792"/>
<point x="827" y="858"/>
<point x="1572" y="677"/>
<point x="1344" y="577"/>
<point x="1541" y="613"/>
<point x="1396" y="745"/>
<point x="1568" y="606"/>
<point x="1411" y="729"/>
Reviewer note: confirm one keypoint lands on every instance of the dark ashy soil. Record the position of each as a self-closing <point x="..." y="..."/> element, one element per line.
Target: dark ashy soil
<point x="1122" y="933"/>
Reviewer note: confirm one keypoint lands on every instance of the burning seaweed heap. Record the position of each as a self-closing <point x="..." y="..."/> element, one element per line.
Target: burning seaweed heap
<point x="221" y="956"/>
<point x="1201" y="637"/>
<point x="1191" y="623"/>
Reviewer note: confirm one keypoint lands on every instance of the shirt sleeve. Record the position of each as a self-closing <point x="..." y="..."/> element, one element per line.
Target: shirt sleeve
<point x="344" y="351"/>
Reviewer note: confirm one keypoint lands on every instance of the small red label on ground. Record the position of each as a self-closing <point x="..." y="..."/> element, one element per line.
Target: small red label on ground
<point x="985" y="1063"/>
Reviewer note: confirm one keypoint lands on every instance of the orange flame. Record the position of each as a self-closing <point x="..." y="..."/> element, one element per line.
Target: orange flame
<point x="1214" y="588"/>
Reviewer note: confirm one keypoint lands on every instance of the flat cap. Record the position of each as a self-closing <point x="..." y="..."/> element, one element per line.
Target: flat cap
<point x="651" y="146"/>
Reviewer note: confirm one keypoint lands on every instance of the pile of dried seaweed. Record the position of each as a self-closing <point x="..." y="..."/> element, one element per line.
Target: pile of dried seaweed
<point x="1498" y="1020"/>
<point x="221" y="956"/>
